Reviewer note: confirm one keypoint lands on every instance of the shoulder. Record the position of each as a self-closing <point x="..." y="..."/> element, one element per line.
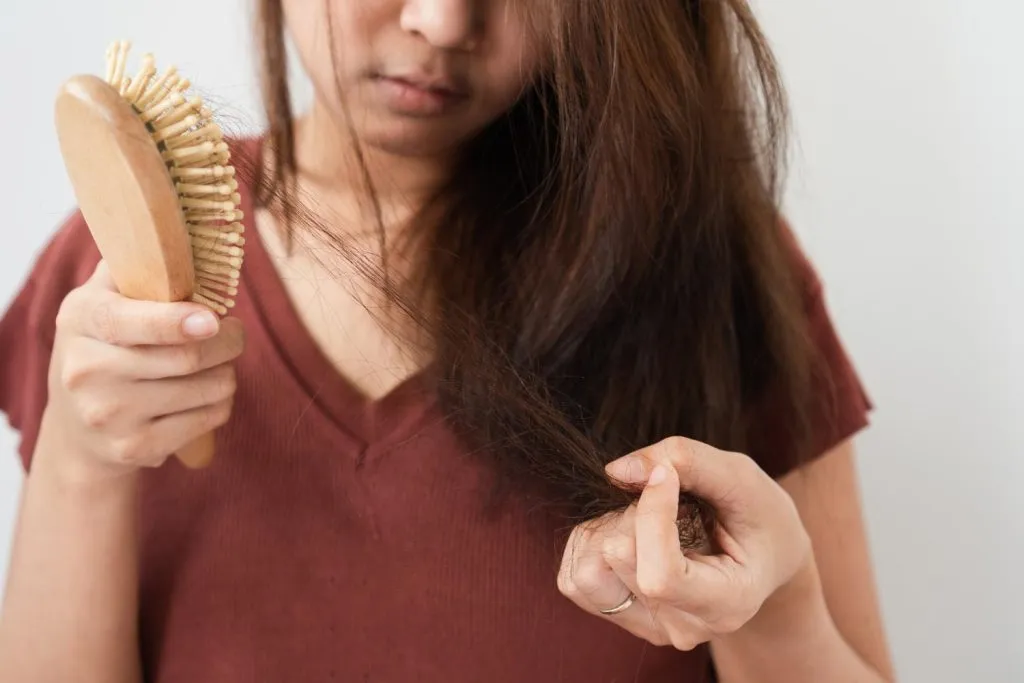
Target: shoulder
<point x="66" y="261"/>
<point x="807" y="278"/>
<point x="28" y="325"/>
<point x="838" y="405"/>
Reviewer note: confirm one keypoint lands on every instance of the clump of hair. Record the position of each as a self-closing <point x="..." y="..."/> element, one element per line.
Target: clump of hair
<point x="607" y="266"/>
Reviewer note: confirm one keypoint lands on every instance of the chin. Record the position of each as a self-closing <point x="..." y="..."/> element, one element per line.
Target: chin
<point x="414" y="138"/>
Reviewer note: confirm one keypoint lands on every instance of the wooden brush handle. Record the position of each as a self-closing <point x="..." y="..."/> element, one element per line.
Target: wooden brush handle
<point x="199" y="453"/>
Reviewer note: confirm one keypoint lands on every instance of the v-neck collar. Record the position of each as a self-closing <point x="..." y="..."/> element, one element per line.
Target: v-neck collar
<point x="371" y="421"/>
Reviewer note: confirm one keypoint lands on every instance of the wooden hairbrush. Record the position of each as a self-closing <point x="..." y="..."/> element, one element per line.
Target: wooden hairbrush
<point x="151" y="175"/>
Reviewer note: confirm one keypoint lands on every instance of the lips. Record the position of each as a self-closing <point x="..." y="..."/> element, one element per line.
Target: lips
<point x="418" y="94"/>
<point x="445" y="88"/>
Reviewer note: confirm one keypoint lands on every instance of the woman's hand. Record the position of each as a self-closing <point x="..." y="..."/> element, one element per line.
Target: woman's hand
<point x="131" y="381"/>
<point x="629" y="567"/>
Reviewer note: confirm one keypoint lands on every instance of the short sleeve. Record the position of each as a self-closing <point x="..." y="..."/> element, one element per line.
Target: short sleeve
<point x="839" y="404"/>
<point x="28" y="325"/>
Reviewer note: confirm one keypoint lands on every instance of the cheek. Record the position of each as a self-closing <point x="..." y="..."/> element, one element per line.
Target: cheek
<point x="517" y="57"/>
<point x="314" y="25"/>
<point x="304" y="22"/>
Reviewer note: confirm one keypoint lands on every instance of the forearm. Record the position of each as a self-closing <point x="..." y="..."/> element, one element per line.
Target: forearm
<point x="792" y="640"/>
<point x="70" y="604"/>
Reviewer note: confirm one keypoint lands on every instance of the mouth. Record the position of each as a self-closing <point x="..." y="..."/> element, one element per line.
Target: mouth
<point x="444" y="87"/>
<point x="418" y="94"/>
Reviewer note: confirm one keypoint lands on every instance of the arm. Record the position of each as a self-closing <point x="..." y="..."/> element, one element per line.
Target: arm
<point x="129" y="383"/>
<point x="70" y="604"/>
<point x="826" y="624"/>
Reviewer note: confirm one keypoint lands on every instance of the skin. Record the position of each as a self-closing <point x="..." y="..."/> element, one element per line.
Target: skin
<point x="486" y="51"/>
<point x="130" y="382"/>
<point x="790" y="598"/>
<point x="764" y="603"/>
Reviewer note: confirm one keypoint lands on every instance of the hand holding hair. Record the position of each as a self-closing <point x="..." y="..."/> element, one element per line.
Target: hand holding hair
<point x="628" y="567"/>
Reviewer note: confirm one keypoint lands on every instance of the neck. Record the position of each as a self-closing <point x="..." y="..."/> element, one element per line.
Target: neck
<point x="338" y="175"/>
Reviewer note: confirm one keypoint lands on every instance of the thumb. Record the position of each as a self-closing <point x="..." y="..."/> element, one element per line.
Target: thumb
<point x="113" y="318"/>
<point x="721" y="478"/>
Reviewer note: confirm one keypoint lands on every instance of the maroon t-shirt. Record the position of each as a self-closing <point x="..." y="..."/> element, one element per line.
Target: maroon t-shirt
<point x="340" y="539"/>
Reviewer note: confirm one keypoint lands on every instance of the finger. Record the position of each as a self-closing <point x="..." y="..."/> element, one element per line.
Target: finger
<point x="92" y="358"/>
<point x="176" y="431"/>
<point x="114" y="319"/>
<point x="663" y="573"/>
<point x="181" y="429"/>
<point x="726" y="480"/>
<point x="585" y="578"/>
<point x="179" y="394"/>
<point x="661" y="623"/>
<point x="150" y="446"/>
<point x="101" y="278"/>
<point x="159" y="362"/>
<point x="658" y="623"/>
<point x="655" y="622"/>
<point x="618" y="550"/>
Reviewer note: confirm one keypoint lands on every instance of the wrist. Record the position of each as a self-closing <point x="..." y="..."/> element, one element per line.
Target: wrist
<point x="801" y="597"/>
<point x="71" y="468"/>
<point x="792" y="638"/>
<point x="795" y="612"/>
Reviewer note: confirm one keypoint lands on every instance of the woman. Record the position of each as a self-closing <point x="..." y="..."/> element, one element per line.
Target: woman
<point x="517" y="297"/>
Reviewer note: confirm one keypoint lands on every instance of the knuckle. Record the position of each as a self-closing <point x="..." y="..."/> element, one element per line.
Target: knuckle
<point x="685" y="641"/>
<point x="565" y="586"/>
<point x="743" y="463"/>
<point x="224" y="383"/>
<point x="679" y="452"/>
<point x="163" y="324"/>
<point x="212" y="386"/>
<point x="659" y="639"/>
<point x="654" y="584"/>
<point x="98" y="413"/>
<point x="66" y="313"/>
<point x="105" y="325"/>
<point x="231" y="380"/>
<point x="190" y="358"/>
<point x="620" y="548"/>
<point x="672" y="445"/>
<point x="74" y="373"/>
<point x="747" y="472"/>
<point x="220" y="414"/>
<point x="670" y="448"/>
<point x="129" y="450"/>
<point x="586" y="575"/>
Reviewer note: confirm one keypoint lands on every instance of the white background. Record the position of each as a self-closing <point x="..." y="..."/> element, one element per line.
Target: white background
<point x="906" y="190"/>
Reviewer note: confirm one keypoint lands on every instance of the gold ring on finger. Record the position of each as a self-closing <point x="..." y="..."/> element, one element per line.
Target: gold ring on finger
<point x="621" y="607"/>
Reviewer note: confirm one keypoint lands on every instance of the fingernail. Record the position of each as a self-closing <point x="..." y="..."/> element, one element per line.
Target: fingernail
<point x="627" y="469"/>
<point x="658" y="475"/>
<point x="201" y="324"/>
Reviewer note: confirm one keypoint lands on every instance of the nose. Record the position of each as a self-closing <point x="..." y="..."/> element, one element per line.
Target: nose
<point x="447" y="24"/>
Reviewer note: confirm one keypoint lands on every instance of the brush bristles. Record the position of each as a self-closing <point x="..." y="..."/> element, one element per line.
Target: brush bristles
<point x="192" y="145"/>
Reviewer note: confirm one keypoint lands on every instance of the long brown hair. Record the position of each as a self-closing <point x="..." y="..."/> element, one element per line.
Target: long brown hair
<point x="612" y="267"/>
